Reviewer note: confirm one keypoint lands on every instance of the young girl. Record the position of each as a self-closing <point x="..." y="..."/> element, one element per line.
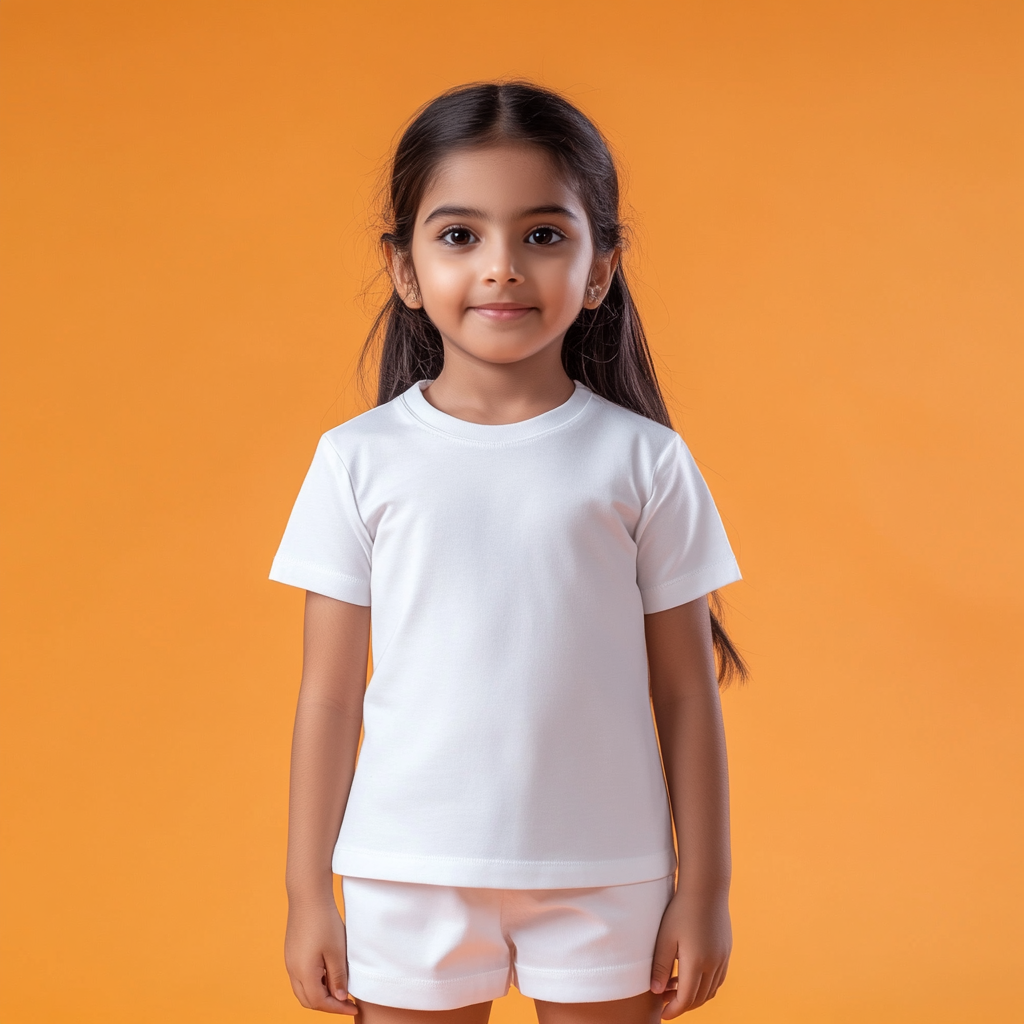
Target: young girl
<point x="537" y="546"/>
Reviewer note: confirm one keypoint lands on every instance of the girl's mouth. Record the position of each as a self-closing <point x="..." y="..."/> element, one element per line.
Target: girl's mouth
<point x="502" y="312"/>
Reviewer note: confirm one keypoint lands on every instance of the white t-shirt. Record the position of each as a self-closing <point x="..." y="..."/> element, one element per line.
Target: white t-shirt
<point x="509" y="741"/>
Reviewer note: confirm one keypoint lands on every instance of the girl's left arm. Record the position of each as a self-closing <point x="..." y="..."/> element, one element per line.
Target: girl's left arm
<point x="695" y="928"/>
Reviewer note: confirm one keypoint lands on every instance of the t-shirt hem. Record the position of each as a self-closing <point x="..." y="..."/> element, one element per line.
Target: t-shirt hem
<point x="487" y="873"/>
<point x="690" y="587"/>
<point x="309" y="576"/>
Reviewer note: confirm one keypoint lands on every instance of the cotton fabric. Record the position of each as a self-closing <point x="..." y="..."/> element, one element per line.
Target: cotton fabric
<point x="438" y="947"/>
<point x="508" y="736"/>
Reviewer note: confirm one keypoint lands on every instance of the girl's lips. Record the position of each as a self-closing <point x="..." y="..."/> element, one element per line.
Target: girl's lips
<point x="502" y="311"/>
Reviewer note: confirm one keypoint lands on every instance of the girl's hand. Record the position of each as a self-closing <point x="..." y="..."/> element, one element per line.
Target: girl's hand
<point x="697" y="932"/>
<point x="316" y="957"/>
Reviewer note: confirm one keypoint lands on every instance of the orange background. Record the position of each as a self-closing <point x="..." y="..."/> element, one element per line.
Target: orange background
<point x="827" y="201"/>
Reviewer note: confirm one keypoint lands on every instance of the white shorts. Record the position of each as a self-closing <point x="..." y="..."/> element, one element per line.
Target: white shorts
<point x="439" y="947"/>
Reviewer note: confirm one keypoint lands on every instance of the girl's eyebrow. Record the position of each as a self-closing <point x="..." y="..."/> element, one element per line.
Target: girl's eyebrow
<point x="444" y="212"/>
<point x="454" y="211"/>
<point x="537" y="210"/>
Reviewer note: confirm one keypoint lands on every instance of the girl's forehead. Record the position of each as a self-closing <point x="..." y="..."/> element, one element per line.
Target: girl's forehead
<point x="498" y="179"/>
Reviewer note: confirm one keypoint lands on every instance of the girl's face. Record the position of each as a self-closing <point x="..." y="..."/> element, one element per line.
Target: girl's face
<point x="502" y="258"/>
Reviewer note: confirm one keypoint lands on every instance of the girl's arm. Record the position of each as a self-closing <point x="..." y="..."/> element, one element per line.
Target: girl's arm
<point x="324" y="745"/>
<point x="684" y="690"/>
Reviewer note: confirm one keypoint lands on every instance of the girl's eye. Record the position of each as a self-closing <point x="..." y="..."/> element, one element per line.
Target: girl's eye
<point x="544" y="236"/>
<point x="458" y="236"/>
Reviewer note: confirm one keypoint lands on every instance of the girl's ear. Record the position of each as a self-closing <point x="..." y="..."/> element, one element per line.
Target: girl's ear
<point x="601" y="274"/>
<point x="403" y="276"/>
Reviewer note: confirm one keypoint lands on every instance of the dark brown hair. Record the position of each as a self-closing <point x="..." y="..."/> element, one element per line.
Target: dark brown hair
<point x="605" y="348"/>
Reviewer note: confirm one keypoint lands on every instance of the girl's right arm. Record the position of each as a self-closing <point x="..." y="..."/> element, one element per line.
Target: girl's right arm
<point x="324" y="745"/>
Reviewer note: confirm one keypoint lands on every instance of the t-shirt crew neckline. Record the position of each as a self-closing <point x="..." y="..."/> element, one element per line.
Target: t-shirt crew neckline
<point x="495" y="433"/>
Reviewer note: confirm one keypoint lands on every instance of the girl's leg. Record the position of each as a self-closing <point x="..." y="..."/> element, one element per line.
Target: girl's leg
<point x="372" y="1013"/>
<point x="642" y="1009"/>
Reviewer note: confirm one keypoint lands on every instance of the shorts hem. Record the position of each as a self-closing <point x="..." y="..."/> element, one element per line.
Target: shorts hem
<point x="428" y="993"/>
<point x="585" y="984"/>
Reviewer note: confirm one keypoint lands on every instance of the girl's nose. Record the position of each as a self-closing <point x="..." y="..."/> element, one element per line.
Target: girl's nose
<point x="499" y="267"/>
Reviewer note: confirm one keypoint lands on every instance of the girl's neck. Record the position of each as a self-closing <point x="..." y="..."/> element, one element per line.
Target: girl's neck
<point x="494" y="393"/>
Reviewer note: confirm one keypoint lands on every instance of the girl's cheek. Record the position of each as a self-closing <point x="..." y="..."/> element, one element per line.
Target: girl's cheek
<point x="566" y="287"/>
<point x="439" y="279"/>
<point x="452" y="285"/>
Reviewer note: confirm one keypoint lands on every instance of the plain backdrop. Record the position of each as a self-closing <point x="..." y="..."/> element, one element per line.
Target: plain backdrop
<point x="826" y="212"/>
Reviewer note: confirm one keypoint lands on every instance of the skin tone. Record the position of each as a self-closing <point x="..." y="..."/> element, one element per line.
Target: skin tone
<point x="502" y="261"/>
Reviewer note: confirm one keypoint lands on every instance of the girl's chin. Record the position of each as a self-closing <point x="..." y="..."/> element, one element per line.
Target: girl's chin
<point x="496" y="352"/>
<point x="499" y="343"/>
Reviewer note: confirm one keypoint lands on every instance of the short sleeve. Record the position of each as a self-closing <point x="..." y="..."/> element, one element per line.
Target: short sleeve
<point x="682" y="549"/>
<point x="326" y="547"/>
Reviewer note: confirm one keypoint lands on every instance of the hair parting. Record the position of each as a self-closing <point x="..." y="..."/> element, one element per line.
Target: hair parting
<point x="605" y="348"/>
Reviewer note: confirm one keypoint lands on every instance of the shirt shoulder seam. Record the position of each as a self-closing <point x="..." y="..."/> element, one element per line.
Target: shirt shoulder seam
<point x="351" y="486"/>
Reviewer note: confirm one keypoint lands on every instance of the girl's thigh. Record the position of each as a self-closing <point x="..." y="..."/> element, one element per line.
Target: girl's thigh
<point x="642" y="1009"/>
<point x="373" y="1013"/>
